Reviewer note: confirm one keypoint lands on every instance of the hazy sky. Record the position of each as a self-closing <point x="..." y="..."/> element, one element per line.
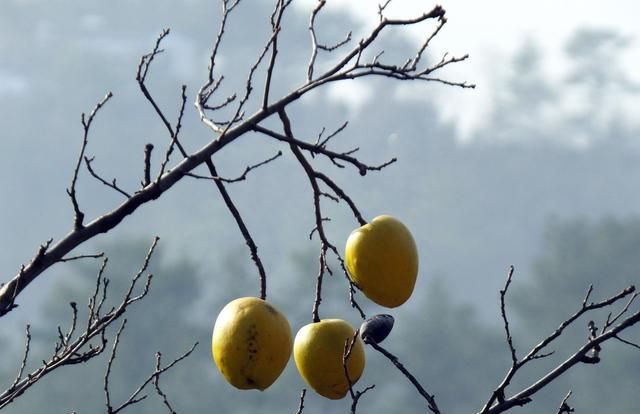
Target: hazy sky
<point x="492" y="31"/>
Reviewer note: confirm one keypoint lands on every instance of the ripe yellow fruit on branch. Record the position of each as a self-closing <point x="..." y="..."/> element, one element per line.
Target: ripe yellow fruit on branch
<point x="251" y="343"/>
<point x="382" y="260"/>
<point x="318" y="351"/>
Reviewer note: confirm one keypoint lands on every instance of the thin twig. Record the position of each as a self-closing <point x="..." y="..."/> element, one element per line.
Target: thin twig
<point x="253" y="248"/>
<point x="82" y="256"/>
<point x="241" y="177"/>
<point x="431" y="401"/>
<point x="71" y="191"/>
<point x="111" y="184"/>
<point x="355" y="395"/>
<point x="503" y="292"/>
<point x="565" y="408"/>
<point x="107" y="372"/>
<point x="134" y="399"/>
<point x="156" y="384"/>
<point x="301" y="404"/>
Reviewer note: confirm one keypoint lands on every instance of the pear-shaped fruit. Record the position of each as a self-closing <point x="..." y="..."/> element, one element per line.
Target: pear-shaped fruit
<point x="382" y="260"/>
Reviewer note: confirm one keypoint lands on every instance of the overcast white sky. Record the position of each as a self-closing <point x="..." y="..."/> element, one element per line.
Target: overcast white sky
<point x="491" y="31"/>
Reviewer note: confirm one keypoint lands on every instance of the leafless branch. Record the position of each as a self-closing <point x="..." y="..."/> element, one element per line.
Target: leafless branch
<point x="156" y="384"/>
<point x="78" y="347"/>
<point x="503" y="292"/>
<point x="175" y="134"/>
<point x="431" y="401"/>
<point x="498" y="402"/>
<point x="331" y="155"/>
<point x="113" y="184"/>
<point x="241" y="177"/>
<point x="624" y="341"/>
<point x="355" y="395"/>
<point x="276" y="20"/>
<point x="141" y="77"/>
<point x="565" y="408"/>
<point x="346" y="66"/>
<point x="71" y="191"/>
<point x="107" y="373"/>
<point x="624" y="310"/>
<point x="135" y="397"/>
<point x="317" y="46"/>
<point x="82" y="256"/>
<point x="301" y="404"/>
<point x="253" y="249"/>
<point x="325" y="141"/>
<point x="27" y="347"/>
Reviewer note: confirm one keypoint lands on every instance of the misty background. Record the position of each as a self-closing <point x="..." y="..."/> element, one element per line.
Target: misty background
<point x="548" y="187"/>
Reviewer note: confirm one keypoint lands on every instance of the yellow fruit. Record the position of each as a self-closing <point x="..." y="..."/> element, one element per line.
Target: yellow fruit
<point x="318" y="350"/>
<point x="382" y="260"/>
<point x="251" y="343"/>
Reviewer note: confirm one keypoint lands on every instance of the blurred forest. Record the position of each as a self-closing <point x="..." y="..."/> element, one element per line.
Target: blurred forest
<point x="550" y="190"/>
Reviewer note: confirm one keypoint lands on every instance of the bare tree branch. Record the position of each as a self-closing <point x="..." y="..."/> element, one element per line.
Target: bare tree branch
<point x="253" y="249"/>
<point x="503" y="292"/>
<point x="113" y="184"/>
<point x="499" y="403"/>
<point x="241" y="177"/>
<point x="78" y="347"/>
<point x="431" y="401"/>
<point x="355" y="395"/>
<point x="347" y="67"/>
<point x="301" y="404"/>
<point x="135" y="397"/>
<point x="565" y="408"/>
<point x="71" y="191"/>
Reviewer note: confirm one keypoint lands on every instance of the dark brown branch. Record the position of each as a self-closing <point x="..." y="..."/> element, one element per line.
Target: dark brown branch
<point x="76" y="348"/>
<point x="253" y="249"/>
<point x="565" y="408"/>
<point x="316" y="149"/>
<point x="624" y="341"/>
<point x="71" y="191"/>
<point x="301" y="404"/>
<point x="156" y="384"/>
<point x="325" y="141"/>
<point x="23" y="364"/>
<point x="141" y="77"/>
<point x="111" y="184"/>
<point x="175" y="135"/>
<point x="315" y="45"/>
<point x="227" y="134"/>
<point x="276" y="20"/>
<point x="82" y="256"/>
<point x="319" y="227"/>
<point x="503" y="293"/>
<point x="212" y="85"/>
<point x="355" y="395"/>
<point x="497" y="403"/>
<point x="112" y="358"/>
<point x="241" y="177"/>
<point x="227" y="8"/>
<point x="336" y="189"/>
<point x="431" y="401"/>
<point x="624" y="310"/>
<point x="134" y="399"/>
<point x="222" y="127"/>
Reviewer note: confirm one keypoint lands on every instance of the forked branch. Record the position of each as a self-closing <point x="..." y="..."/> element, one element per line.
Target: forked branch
<point x="588" y="353"/>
